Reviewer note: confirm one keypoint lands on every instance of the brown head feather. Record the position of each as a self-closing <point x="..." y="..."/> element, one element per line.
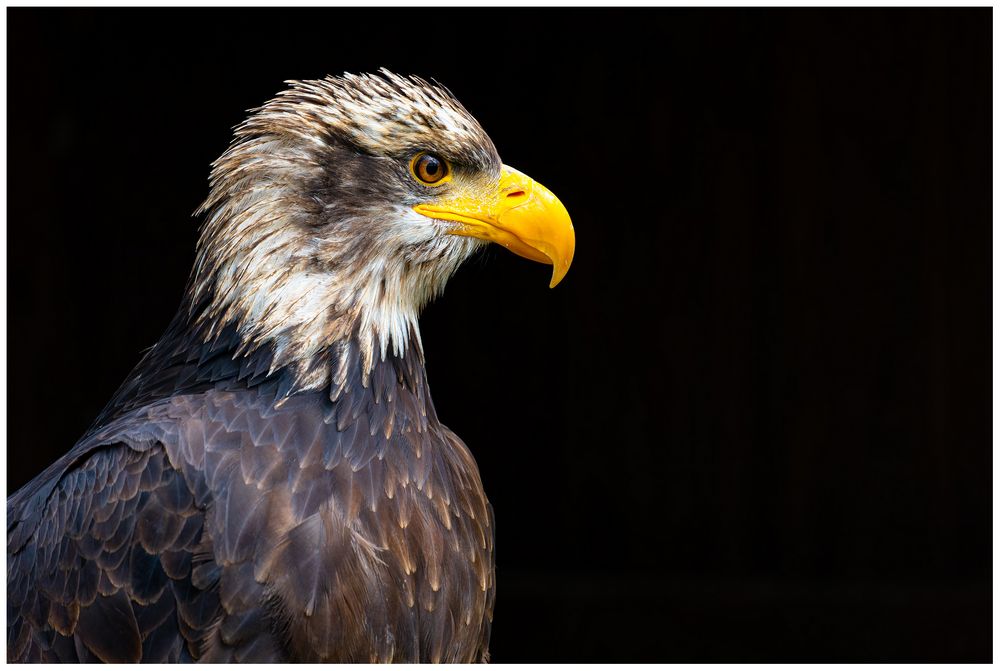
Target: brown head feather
<point x="310" y="237"/>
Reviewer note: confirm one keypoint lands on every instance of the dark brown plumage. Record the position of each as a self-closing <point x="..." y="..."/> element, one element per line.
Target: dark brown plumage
<point x="272" y="482"/>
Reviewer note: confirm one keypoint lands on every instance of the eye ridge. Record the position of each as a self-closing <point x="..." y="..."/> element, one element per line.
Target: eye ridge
<point x="430" y="169"/>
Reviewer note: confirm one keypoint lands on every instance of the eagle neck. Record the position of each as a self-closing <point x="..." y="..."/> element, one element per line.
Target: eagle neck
<point x="191" y="358"/>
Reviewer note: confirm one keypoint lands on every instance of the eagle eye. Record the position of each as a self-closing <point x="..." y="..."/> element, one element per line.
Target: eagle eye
<point x="429" y="169"/>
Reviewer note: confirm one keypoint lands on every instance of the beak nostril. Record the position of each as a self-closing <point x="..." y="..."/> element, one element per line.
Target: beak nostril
<point x="515" y="194"/>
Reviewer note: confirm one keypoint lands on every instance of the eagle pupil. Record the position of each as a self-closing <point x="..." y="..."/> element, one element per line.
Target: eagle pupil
<point x="432" y="167"/>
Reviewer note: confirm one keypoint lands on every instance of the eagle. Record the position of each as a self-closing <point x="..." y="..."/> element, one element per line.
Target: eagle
<point x="271" y="482"/>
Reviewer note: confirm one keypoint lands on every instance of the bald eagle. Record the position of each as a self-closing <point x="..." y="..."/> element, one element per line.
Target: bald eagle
<point x="271" y="482"/>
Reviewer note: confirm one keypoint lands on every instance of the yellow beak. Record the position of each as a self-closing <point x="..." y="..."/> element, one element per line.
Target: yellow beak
<point x="521" y="214"/>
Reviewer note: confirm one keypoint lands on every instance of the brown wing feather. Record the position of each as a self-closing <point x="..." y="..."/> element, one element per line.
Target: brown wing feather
<point x="249" y="533"/>
<point x="85" y="583"/>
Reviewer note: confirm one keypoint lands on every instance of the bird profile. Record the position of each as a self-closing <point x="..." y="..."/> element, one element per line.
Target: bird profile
<point x="271" y="482"/>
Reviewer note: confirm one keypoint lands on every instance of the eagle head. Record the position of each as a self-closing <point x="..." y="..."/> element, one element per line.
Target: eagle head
<point x="343" y="205"/>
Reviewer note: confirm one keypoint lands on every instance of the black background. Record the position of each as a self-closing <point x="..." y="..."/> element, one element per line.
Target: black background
<point x="753" y="422"/>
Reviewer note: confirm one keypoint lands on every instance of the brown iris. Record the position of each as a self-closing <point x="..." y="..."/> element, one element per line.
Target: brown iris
<point x="429" y="169"/>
